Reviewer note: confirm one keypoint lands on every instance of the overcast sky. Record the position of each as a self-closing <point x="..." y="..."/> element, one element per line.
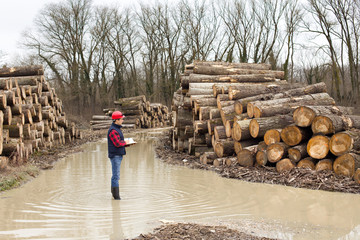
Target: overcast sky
<point x="18" y="15"/>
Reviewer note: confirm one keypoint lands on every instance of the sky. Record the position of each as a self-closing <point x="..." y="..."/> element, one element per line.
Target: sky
<point x="16" y="16"/>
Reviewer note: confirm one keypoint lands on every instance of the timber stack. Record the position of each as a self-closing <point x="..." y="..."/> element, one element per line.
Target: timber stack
<point x="31" y="115"/>
<point x="242" y="114"/>
<point x="138" y="112"/>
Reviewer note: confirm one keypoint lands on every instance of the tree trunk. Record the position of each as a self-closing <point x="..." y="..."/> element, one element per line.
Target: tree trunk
<point x="241" y="130"/>
<point x="259" y="126"/>
<point x="259" y="66"/>
<point x="246" y="158"/>
<point x="343" y="142"/>
<point x="318" y="147"/>
<point x="346" y="164"/>
<point x="328" y="124"/>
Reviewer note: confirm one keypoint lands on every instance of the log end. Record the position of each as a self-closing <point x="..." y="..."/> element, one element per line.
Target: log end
<point x="254" y="128"/>
<point x="284" y="165"/>
<point x="291" y="135"/>
<point x="272" y="136"/>
<point x="322" y="125"/>
<point x="303" y="116"/>
<point x="325" y="164"/>
<point x="318" y="147"/>
<point x="345" y="165"/>
<point x="340" y="143"/>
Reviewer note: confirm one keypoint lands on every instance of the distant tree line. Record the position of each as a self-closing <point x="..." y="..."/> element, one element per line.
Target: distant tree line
<point x="99" y="53"/>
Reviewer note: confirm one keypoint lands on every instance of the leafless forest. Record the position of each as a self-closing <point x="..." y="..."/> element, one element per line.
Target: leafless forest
<point x="96" y="54"/>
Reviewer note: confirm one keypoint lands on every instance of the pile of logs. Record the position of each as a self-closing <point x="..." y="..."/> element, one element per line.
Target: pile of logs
<point x="138" y="112"/>
<point x="246" y="114"/>
<point x="31" y="115"/>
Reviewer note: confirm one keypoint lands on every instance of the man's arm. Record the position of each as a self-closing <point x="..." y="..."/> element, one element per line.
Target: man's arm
<point x="115" y="138"/>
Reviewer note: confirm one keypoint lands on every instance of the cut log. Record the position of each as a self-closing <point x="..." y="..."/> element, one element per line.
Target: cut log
<point x="276" y="151"/>
<point x="219" y="132"/>
<point x="208" y="157"/>
<point x="284" y="165"/>
<point x="318" y="147"/>
<point x="241" y="130"/>
<point x="215" y="113"/>
<point x="7" y="116"/>
<point x="221" y="70"/>
<point x="328" y="124"/>
<point x="324" y="164"/>
<point x="293" y="135"/>
<point x="346" y="164"/>
<point x="238" y="146"/>
<point x="259" y="126"/>
<point x="200" y="127"/>
<point x="15" y="131"/>
<point x="259" y="66"/>
<point x="298" y="152"/>
<point x="357" y="176"/>
<point x="21" y="71"/>
<point x="344" y="142"/>
<point x="231" y="161"/>
<point x="246" y="158"/>
<point x="287" y="105"/>
<point x="304" y="115"/>
<point x="224" y="148"/>
<point x="272" y="136"/>
<point x="308" y="163"/>
<point x="212" y="123"/>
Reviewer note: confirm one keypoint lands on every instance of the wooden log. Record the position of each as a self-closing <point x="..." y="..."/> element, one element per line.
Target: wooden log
<point x="183" y="118"/>
<point x="260" y="88"/>
<point x="318" y="147"/>
<point x="246" y="158"/>
<point x="261" y="157"/>
<point x="272" y="136"/>
<point x="259" y="66"/>
<point x="220" y="70"/>
<point x="308" y="163"/>
<point x="276" y="151"/>
<point x="7" y="116"/>
<point x="357" y="176"/>
<point x="3" y="162"/>
<point x="4" y="84"/>
<point x="304" y="115"/>
<point x="10" y="97"/>
<point x="11" y="147"/>
<point x="324" y="164"/>
<point x="21" y="71"/>
<point x="204" y="102"/>
<point x="328" y="124"/>
<point x="224" y="148"/>
<point x="200" y="127"/>
<point x="298" y="152"/>
<point x="293" y="135"/>
<point x="287" y="105"/>
<point x="241" y="130"/>
<point x="212" y="123"/>
<point x="259" y="126"/>
<point x="343" y="142"/>
<point x="204" y="113"/>
<point x="15" y="131"/>
<point x="238" y="146"/>
<point x="228" y="127"/>
<point x="284" y="165"/>
<point x="346" y="164"/>
<point x="215" y="113"/>
<point x="219" y="132"/>
<point x="208" y="157"/>
<point x="16" y="109"/>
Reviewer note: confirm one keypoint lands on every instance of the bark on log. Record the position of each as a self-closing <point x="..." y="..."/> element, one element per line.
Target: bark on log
<point x="238" y="146"/>
<point x="343" y="142"/>
<point x="220" y="70"/>
<point x="298" y="152"/>
<point x="200" y="127"/>
<point x="318" y="147"/>
<point x="276" y="151"/>
<point x="219" y="132"/>
<point x="284" y="165"/>
<point x="357" y="176"/>
<point x="208" y="157"/>
<point x="224" y="148"/>
<point x="287" y="105"/>
<point x="228" y="127"/>
<point x="215" y="113"/>
<point x="304" y="115"/>
<point x="21" y="71"/>
<point x="259" y="126"/>
<point x="346" y="164"/>
<point x="7" y="116"/>
<point x="328" y="124"/>
<point x="293" y="135"/>
<point x="241" y="130"/>
<point x="259" y="66"/>
<point x="212" y="123"/>
<point x="324" y="164"/>
<point x="15" y="131"/>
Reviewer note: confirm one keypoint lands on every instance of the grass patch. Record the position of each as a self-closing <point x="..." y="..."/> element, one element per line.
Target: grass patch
<point x="15" y="178"/>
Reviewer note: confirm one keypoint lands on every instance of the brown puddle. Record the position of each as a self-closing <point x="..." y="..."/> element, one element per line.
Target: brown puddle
<point x="73" y="201"/>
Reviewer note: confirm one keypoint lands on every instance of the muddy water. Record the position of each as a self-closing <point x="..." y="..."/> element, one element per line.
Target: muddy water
<point x="73" y="201"/>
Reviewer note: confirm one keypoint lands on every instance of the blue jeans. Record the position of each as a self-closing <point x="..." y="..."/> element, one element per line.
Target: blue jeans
<point x="115" y="165"/>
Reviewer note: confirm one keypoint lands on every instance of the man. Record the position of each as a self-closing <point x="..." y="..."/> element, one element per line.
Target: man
<point x="116" y="150"/>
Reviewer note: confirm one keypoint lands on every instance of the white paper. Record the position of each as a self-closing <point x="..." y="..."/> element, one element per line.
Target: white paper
<point x="129" y="141"/>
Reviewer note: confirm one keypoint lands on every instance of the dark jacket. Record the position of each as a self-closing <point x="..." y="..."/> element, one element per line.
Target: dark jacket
<point x="112" y="149"/>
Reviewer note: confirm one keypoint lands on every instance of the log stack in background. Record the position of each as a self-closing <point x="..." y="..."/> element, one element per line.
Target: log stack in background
<point x="138" y="112"/>
<point x="31" y="115"/>
<point x="246" y="114"/>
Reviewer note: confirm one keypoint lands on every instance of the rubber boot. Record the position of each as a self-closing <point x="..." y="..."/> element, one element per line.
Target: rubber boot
<point x="115" y="193"/>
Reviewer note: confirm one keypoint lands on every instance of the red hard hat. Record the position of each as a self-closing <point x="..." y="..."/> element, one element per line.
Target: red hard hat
<point x="117" y="115"/>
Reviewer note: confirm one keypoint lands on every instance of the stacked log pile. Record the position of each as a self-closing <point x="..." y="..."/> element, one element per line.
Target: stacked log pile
<point x="247" y="115"/>
<point x="138" y="112"/>
<point x="31" y="115"/>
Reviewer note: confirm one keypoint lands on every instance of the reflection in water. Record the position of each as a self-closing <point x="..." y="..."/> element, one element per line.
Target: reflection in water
<point x="74" y="201"/>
